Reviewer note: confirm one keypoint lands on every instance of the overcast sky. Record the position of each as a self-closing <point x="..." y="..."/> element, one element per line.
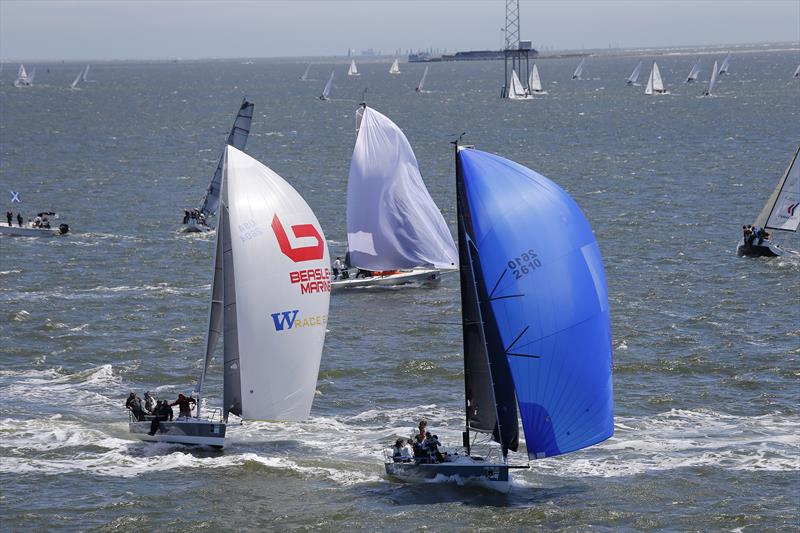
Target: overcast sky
<point x="144" y="29"/>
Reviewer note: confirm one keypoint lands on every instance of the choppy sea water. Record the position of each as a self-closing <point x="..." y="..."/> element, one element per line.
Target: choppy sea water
<point x="706" y="344"/>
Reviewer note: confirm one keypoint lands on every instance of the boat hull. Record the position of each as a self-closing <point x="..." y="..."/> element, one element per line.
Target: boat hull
<point x="766" y="249"/>
<point x="28" y="231"/>
<point x="461" y="470"/>
<point x="194" y="432"/>
<point x="194" y="227"/>
<point x="427" y="276"/>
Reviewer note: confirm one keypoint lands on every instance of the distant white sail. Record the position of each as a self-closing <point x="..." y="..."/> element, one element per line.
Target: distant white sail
<point x="634" y="77"/>
<point x="694" y="73"/>
<point x="579" y="71"/>
<point x="304" y="77"/>
<point x="516" y="91"/>
<point x="85" y="76"/>
<point x="353" y="71"/>
<point x="796" y="72"/>
<point x="74" y="84"/>
<point x="725" y="63"/>
<point x="23" y="80"/>
<point x="326" y="92"/>
<point x="782" y="210"/>
<point x="655" y="85"/>
<point x="422" y="80"/>
<point x="534" y="81"/>
<point x="395" y="68"/>
<point x="712" y="81"/>
<point x="276" y="263"/>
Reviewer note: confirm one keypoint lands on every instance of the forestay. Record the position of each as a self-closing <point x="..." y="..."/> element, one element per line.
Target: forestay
<point x="544" y="279"/>
<point x="782" y="210"/>
<point x="236" y="138"/>
<point x="279" y="263"/>
<point x="392" y="221"/>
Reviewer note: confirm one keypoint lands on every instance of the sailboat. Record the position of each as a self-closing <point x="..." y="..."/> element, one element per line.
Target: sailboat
<point x="711" y="82"/>
<point x="723" y="69"/>
<point x="579" y="70"/>
<point x="780" y="213"/>
<point x="85" y="76"/>
<point x="395" y="68"/>
<point x="655" y="85"/>
<point x="796" y="72"/>
<point x="535" y="82"/>
<point x="535" y="320"/>
<point x="694" y="73"/>
<point x="272" y="325"/>
<point x="326" y="92"/>
<point x="208" y="206"/>
<point x="422" y="79"/>
<point x="394" y="229"/>
<point x="304" y="77"/>
<point x="634" y="77"/>
<point x="353" y="71"/>
<point x="23" y="80"/>
<point x="516" y="91"/>
<point x="74" y="84"/>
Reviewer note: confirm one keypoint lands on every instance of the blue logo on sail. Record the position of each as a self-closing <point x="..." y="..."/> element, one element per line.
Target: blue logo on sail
<point x="284" y="319"/>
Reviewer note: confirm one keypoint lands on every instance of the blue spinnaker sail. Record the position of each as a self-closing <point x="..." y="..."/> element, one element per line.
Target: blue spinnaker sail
<point x="546" y="283"/>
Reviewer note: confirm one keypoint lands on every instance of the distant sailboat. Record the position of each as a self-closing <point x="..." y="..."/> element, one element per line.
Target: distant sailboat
<point x="304" y="77"/>
<point x="23" y="80"/>
<point x="85" y="76"/>
<point x="353" y="71"/>
<point x="796" y="72"/>
<point x="395" y="68"/>
<point x="326" y="92"/>
<point x="579" y="70"/>
<point x="655" y="85"/>
<point x="74" y="84"/>
<point x="515" y="89"/>
<point x="725" y="64"/>
<point x="236" y="138"/>
<point x="711" y="82"/>
<point x="694" y="73"/>
<point x="780" y="213"/>
<point x="422" y="79"/>
<point x="634" y="77"/>
<point x="535" y="82"/>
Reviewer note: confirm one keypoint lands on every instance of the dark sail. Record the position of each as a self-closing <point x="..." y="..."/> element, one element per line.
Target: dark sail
<point x="232" y="396"/>
<point x="489" y="389"/>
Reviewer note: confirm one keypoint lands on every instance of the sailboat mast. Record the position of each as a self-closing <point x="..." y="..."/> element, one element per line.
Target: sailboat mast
<point x="463" y="259"/>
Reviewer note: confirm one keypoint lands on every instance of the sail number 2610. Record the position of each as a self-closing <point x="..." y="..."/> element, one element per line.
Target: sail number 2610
<point x="526" y="263"/>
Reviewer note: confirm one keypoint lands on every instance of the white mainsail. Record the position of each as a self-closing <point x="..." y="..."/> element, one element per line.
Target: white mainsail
<point x="74" y="84"/>
<point x="655" y="85"/>
<point x="280" y="276"/>
<point x="634" y="77"/>
<point x="23" y="80"/>
<point x="723" y="69"/>
<point x="353" y="71"/>
<point x="392" y="221"/>
<point x="579" y="70"/>
<point x="304" y="77"/>
<point x="516" y="91"/>
<point x="534" y="81"/>
<point x="782" y="210"/>
<point x="422" y="80"/>
<point x="85" y="76"/>
<point x="694" y="73"/>
<point x="326" y="92"/>
<point x="712" y="81"/>
<point x="395" y="68"/>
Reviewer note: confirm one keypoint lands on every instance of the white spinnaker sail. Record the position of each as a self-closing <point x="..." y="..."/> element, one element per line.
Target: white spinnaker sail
<point x="395" y="68"/>
<point x="422" y="79"/>
<point x="634" y="77"/>
<point x="516" y="91"/>
<point x="723" y="69"/>
<point x="74" y="84"/>
<point x="392" y="221"/>
<point x="326" y="92"/>
<point x="782" y="210"/>
<point x="534" y="81"/>
<point x="281" y="269"/>
<point x="579" y="70"/>
<point x="85" y="76"/>
<point x="712" y="81"/>
<point x="352" y="71"/>
<point x="694" y="73"/>
<point x="304" y="77"/>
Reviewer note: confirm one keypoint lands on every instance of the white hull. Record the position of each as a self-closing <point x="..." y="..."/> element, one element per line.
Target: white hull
<point x="461" y="470"/>
<point x="28" y="231"/>
<point x="409" y="276"/>
<point x="194" y="227"/>
<point x="194" y="431"/>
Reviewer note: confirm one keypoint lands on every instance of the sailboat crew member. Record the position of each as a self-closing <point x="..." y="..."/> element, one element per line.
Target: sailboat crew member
<point x="184" y="406"/>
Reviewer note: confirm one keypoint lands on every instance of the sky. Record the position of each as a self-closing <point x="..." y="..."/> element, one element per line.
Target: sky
<point x="145" y="29"/>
